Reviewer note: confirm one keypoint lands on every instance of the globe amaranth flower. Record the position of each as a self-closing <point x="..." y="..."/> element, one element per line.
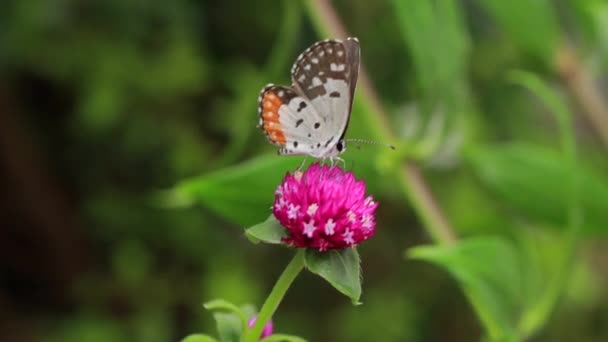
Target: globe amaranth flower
<point x="267" y="328"/>
<point x="324" y="208"/>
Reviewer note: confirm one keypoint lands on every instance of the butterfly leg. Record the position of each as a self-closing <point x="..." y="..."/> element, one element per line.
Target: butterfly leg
<point x="335" y="160"/>
<point x="302" y="165"/>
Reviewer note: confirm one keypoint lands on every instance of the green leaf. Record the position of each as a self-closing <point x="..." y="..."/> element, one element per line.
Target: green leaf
<point x="341" y="268"/>
<point x="543" y="303"/>
<point x="269" y="231"/>
<point x="564" y="118"/>
<point x="249" y="311"/>
<point x="225" y="321"/>
<point x="544" y="256"/>
<point x="242" y="193"/>
<point x="229" y="326"/>
<point x="199" y="338"/>
<point x="488" y="270"/>
<point x="436" y="35"/>
<point x="221" y="304"/>
<point x="531" y="180"/>
<point x="282" y="338"/>
<point x="531" y="24"/>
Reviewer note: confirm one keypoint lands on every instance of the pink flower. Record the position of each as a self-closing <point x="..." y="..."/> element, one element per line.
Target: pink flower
<point x="324" y="208"/>
<point x="267" y="328"/>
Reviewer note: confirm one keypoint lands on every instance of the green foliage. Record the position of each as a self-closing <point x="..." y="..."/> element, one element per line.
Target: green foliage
<point x="565" y="122"/>
<point x="521" y="170"/>
<point x="531" y="24"/>
<point x="489" y="272"/>
<point x="223" y="305"/>
<point x="269" y="231"/>
<point x="341" y="268"/>
<point x="199" y="338"/>
<point x="131" y="263"/>
<point x="282" y="338"/>
<point x="93" y="329"/>
<point x="507" y="283"/>
<point x="104" y="103"/>
<point x="434" y="30"/>
<point x="242" y="194"/>
<point x="232" y="322"/>
<point x="531" y="179"/>
<point x="228" y="326"/>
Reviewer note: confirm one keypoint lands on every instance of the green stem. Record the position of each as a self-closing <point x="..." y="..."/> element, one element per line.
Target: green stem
<point x="276" y="295"/>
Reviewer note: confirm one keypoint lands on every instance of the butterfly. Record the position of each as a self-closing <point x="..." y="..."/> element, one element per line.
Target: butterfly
<point x="311" y="116"/>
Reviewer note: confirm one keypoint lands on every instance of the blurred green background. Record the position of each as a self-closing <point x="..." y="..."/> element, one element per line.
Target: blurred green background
<point x="130" y="165"/>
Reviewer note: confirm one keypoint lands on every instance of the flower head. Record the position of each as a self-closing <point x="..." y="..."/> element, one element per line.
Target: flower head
<point x="267" y="328"/>
<point x="324" y="208"/>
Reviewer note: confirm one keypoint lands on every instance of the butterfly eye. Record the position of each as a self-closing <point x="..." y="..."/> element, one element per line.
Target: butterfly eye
<point x="340" y="146"/>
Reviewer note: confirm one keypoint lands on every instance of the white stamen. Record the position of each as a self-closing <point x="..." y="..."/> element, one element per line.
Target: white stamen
<point x="292" y="212"/>
<point x="312" y="209"/>
<point x="367" y="221"/>
<point x="348" y="237"/>
<point x="351" y="216"/>
<point x="280" y="203"/>
<point x="329" y="227"/>
<point x="309" y="228"/>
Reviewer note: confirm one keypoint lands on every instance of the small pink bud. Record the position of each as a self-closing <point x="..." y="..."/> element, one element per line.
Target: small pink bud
<point x="267" y="328"/>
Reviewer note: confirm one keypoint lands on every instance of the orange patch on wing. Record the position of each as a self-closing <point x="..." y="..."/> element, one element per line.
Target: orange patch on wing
<point x="270" y="105"/>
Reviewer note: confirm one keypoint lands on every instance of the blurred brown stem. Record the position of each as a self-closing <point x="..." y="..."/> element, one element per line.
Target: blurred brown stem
<point x="581" y="85"/>
<point x="413" y="181"/>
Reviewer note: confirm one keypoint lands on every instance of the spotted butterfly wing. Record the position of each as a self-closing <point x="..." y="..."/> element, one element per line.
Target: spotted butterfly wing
<point x="310" y="117"/>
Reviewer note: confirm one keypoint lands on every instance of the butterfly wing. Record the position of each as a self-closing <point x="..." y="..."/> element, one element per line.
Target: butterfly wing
<point x="288" y="120"/>
<point x="326" y="74"/>
<point x="311" y="116"/>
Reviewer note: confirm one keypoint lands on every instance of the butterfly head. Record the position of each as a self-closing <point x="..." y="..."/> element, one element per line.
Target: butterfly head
<point x="339" y="148"/>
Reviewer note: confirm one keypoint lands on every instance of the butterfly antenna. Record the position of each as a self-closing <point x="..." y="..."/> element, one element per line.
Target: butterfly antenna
<point x="364" y="141"/>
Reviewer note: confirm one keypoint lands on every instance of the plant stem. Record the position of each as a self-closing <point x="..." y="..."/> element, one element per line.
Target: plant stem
<point x="580" y="84"/>
<point x="421" y="198"/>
<point x="412" y="180"/>
<point x="276" y="295"/>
